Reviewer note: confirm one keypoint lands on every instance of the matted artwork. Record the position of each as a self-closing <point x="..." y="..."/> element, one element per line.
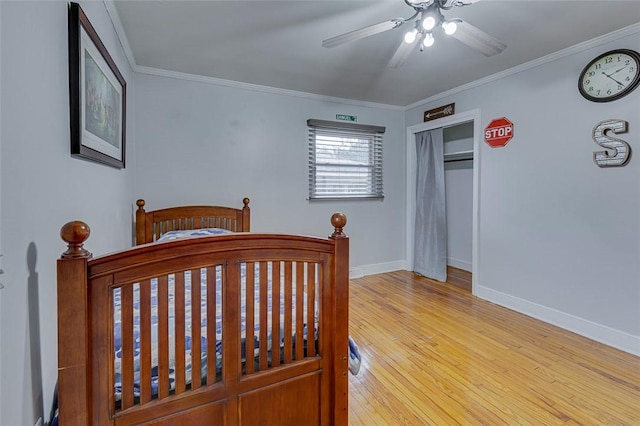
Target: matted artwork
<point x="98" y="95"/>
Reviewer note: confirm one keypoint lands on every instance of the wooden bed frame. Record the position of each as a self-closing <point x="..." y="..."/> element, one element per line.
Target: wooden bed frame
<point x="309" y="387"/>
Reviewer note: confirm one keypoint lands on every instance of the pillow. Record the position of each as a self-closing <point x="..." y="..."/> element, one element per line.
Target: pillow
<point x="176" y="235"/>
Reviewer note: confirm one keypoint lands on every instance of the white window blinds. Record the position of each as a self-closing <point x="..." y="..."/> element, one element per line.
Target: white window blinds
<point x="345" y="160"/>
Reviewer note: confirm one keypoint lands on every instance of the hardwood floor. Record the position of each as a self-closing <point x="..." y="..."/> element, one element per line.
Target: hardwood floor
<point x="435" y="355"/>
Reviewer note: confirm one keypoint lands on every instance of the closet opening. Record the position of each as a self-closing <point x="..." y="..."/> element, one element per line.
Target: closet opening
<point x="460" y="136"/>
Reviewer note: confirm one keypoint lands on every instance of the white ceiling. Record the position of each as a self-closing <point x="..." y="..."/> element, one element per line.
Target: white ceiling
<point x="277" y="43"/>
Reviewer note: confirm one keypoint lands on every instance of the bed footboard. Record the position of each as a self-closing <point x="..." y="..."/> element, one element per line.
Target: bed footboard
<point x="238" y="329"/>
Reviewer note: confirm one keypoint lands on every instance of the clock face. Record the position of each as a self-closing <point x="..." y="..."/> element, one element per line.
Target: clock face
<point x="610" y="76"/>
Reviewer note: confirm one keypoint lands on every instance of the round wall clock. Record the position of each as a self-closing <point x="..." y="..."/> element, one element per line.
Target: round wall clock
<point x="610" y="76"/>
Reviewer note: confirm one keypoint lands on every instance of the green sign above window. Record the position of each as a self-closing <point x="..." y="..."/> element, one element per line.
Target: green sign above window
<point x="345" y="117"/>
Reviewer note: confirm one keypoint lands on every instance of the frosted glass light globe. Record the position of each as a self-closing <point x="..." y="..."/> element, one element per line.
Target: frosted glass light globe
<point x="410" y="36"/>
<point x="449" y="27"/>
<point x="428" y="23"/>
<point x="428" y="40"/>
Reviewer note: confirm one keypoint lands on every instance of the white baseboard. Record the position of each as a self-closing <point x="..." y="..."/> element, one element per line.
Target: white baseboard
<point x="460" y="264"/>
<point x="598" y="332"/>
<point x="378" y="268"/>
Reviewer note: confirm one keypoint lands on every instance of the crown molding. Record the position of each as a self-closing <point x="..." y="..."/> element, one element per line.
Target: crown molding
<point x="595" y="42"/>
<point x="258" y="88"/>
<point x="119" y="29"/>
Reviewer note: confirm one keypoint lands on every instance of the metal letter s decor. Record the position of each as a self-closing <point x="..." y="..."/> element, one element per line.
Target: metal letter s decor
<point x="620" y="149"/>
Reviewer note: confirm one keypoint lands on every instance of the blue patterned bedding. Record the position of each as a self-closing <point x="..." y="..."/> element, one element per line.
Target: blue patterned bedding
<point x="175" y="235"/>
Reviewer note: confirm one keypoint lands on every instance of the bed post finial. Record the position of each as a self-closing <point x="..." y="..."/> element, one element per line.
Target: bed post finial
<point x="246" y="216"/>
<point x="75" y="233"/>
<point x="338" y="220"/>
<point x="141" y="224"/>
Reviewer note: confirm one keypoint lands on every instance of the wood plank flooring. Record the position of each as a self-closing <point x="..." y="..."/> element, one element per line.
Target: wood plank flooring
<point x="435" y="355"/>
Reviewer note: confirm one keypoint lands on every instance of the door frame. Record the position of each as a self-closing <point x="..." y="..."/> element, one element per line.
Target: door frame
<point x="452" y="120"/>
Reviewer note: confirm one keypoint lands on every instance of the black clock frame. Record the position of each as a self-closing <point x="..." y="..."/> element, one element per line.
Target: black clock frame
<point x="630" y="88"/>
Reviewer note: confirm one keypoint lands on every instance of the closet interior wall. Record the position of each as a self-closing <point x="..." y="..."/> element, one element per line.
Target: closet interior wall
<point x="458" y="150"/>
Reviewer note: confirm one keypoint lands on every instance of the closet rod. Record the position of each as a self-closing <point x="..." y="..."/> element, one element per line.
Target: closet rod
<point x="458" y="156"/>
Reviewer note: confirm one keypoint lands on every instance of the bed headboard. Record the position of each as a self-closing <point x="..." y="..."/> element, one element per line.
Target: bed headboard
<point x="151" y="225"/>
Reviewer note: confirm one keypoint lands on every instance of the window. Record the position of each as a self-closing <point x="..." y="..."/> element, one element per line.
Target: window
<point x="345" y="160"/>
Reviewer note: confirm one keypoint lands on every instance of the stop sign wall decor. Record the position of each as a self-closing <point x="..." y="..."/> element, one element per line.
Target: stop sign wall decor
<point x="498" y="132"/>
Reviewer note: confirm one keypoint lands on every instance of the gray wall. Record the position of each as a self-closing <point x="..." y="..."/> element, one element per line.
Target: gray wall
<point x="200" y="142"/>
<point x="559" y="237"/>
<point x="43" y="188"/>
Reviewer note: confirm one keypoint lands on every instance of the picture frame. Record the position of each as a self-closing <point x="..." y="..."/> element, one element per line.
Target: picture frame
<point x="97" y="96"/>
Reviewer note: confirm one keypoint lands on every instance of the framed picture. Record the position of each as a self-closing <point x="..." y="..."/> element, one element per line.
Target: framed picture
<point x="97" y="95"/>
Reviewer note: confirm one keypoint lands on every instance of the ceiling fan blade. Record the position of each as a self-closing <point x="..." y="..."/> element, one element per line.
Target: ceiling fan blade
<point x="465" y="2"/>
<point x="478" y="39"/>
<point x="402" y="53"/>
<point x="363" y="32"/>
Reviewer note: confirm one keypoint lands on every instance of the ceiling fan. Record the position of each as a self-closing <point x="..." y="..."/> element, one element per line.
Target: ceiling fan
<point x="427" y="19"/>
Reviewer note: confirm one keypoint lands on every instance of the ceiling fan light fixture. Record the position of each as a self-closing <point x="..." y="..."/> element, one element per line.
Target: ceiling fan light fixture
<point x="449" y="27"/>
<point x="428" y="40"/>
<point x="428" y="22"/>
<point x="410" y="36"/>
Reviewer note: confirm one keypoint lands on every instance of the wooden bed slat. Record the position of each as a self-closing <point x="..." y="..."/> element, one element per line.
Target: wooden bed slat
<point x="211" y="324"/>
<point x="299" y="310"/>
<point x="250" y="316"/>
<point x="288" y="306"/>
<point x="264" y="311"/>
<point x="275" y="314"/>
<point x="231" y="294"/>
<point x="163" y="337"/>
<point x="126" y="333"/>
<point x="196" y="311"/>
<point x="311" y="309"/>
<point x="179" y="330"/>
<point x="145" y="341"/>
